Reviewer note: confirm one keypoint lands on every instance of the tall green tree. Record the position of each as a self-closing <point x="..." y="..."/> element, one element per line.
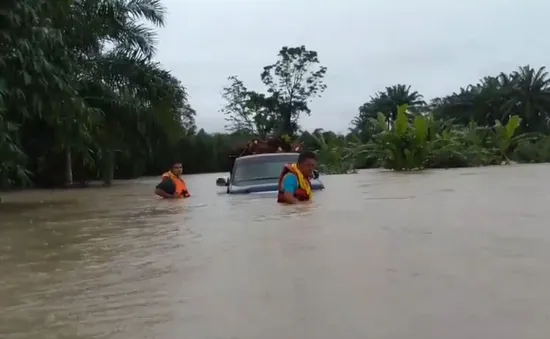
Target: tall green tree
<point x="530" y="96"/>
<point x="78" y="84"/>
<point x="248" y="111"/>
<point x="387" y="103"/>
<point x="524" y="92"/>
<point x="293" y="81"/>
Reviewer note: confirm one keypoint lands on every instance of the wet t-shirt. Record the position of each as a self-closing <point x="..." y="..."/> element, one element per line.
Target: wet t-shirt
<point x="290" y="183"/>
<point x="167" y="185"/>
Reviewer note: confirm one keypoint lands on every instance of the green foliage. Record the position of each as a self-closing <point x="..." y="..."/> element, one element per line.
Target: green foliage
<point x="465" y="128"/>
<point x="402" y="144"/>
<point x="295" y="79"/>
<point x="503" y="135"/>
<point x="334" y="157"/>
<point x="460" y="146"/>
<point x="248" y="111"/>
<point x="78" y="86"/>
<point x="532" y="148"/>
<point x="387" y="103"/>
<point x="418" y="141"/>
<point x="291" y="83"/>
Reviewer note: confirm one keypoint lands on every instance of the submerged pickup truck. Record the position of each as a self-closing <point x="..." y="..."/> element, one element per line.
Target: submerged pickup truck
<point x="260" y="173"/>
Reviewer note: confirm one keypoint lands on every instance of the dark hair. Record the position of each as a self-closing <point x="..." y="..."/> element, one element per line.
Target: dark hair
<point x="174" y="163"/>
<point x="306" y="155"/>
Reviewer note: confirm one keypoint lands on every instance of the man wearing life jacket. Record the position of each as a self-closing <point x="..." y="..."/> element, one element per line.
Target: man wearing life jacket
<point x="294" y="181"/>
<point x="172" y="185"/>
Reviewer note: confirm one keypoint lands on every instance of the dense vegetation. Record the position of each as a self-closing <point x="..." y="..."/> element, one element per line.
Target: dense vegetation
<point x="502" y="118"/>
<point x="82" y="98"/>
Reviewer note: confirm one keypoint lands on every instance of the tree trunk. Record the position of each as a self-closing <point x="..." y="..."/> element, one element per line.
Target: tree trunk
<point x="68" y="167"/>
<point x="108" y="167"/>
<point x="287" y="124"/>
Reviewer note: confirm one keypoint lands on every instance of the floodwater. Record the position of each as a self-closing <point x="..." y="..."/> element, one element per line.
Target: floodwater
<point x="453" y="254"/>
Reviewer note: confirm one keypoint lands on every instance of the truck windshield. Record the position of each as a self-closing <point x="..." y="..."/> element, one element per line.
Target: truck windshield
<point x="259" y="168"/>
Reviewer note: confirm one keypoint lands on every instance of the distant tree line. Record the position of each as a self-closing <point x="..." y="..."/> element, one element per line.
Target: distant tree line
<point x="82" y="99"/>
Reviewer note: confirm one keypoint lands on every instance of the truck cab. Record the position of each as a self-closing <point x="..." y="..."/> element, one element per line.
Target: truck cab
<point x="260" y="173"/>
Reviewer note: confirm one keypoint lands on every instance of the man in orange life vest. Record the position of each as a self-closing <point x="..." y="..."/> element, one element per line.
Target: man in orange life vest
<point x="172" y="185"/>
<point x="294" y="181"/>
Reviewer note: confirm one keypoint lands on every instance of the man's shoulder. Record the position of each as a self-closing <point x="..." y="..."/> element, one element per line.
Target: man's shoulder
<point x="289" y="176"/>
<point x="164" y="182"/>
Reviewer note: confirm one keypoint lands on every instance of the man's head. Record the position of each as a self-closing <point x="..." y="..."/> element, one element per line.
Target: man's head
<point x="307" y="161"/>
<point x="177" y="168"/>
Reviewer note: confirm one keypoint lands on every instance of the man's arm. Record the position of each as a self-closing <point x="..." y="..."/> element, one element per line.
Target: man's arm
<point x="166" y="189"/>
<point x="163" y="194"/>
<point x="185" y="193"/>
<point x="290" y="185"/>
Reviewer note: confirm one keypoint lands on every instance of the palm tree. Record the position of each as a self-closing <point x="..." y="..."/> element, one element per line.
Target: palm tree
<point x="33" y="86"/>
<point x="483" y="103"/>
<point x="82" y="83"/>
<point x="531" y="97"/>
<point x="136" y="97"/>
<point x="524" y="92"/>
<point x="387" y="102"/>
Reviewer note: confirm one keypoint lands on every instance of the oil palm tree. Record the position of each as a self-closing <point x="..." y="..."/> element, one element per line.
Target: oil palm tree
<point x="530" y="97"/>
<point x="387" y="103"/>
<point x="82" y="71"/>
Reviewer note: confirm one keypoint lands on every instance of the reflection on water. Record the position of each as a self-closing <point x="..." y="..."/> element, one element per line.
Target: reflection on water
<point x="442" y="254"/>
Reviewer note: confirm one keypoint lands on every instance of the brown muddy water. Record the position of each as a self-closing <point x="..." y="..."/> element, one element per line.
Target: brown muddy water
<point x="450" y="254"/>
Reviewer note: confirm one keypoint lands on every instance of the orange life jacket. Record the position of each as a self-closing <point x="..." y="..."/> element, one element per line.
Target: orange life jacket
<point x="300" y="194"/>
<point x="181" y="187"/>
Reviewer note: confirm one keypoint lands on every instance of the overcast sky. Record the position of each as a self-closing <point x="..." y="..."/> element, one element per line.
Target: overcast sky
<point x="434" y="45"/>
